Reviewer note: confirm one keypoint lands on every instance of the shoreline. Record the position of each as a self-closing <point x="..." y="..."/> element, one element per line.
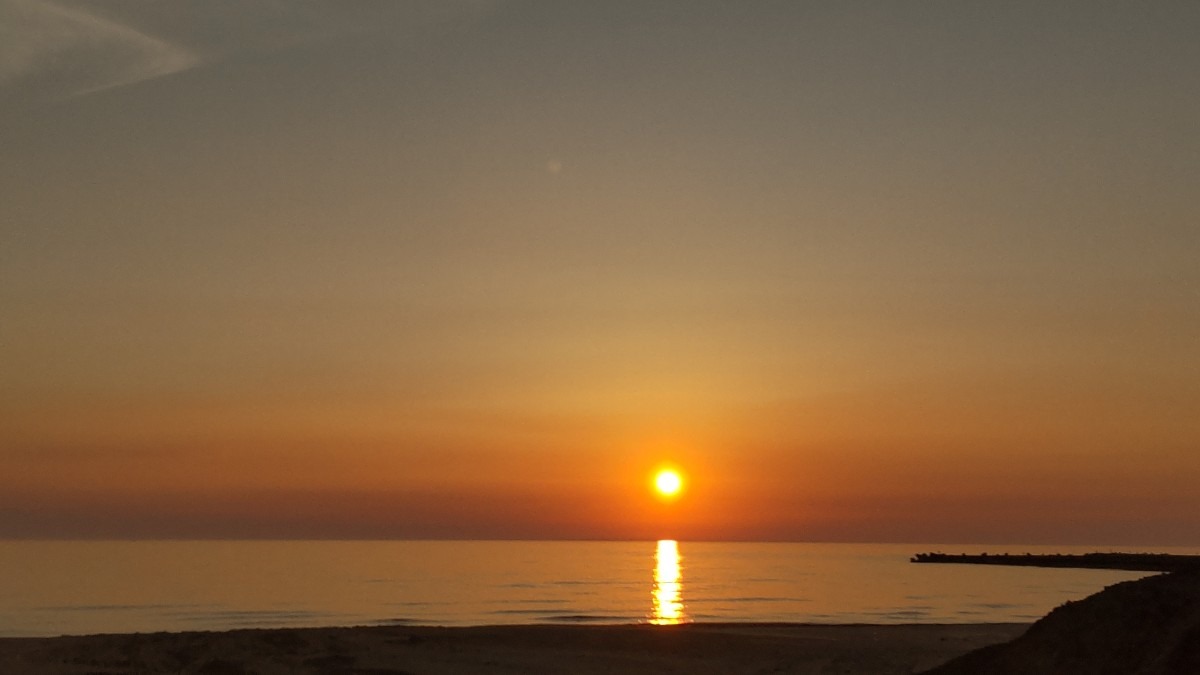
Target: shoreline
<point x="724" y="647"/>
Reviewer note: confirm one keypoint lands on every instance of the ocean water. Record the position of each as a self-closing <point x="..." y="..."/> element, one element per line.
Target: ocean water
<point x="55" y="588"/>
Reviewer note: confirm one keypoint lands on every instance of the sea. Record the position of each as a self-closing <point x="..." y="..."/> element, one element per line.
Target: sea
<point x="52" y="588"/>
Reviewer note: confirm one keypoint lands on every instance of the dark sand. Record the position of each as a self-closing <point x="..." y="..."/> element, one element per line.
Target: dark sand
<point x="694" y="648"/>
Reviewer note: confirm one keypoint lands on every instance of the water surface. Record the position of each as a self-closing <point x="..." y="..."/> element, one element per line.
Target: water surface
<point x="52" y="588"/>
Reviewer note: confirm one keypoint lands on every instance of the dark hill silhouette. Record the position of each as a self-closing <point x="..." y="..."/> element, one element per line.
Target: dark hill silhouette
<point x="1146" y="627"/>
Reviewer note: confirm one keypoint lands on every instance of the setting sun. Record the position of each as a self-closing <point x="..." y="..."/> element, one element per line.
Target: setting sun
<point x="668" y="483"/>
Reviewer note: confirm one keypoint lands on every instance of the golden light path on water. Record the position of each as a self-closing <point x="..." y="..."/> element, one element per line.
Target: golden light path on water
<point x="668" y="584"/>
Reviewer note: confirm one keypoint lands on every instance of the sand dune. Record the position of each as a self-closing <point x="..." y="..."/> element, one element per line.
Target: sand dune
<point x="1146" y="627"/>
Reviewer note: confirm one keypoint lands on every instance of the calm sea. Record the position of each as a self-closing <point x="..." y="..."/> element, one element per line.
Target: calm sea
<point x="53" y="588"/>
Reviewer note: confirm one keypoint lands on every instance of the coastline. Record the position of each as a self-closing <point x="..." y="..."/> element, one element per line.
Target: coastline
<point x="875" y="649"/>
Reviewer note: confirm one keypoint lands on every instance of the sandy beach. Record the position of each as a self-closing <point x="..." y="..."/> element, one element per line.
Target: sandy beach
<point x="392" y="650"/>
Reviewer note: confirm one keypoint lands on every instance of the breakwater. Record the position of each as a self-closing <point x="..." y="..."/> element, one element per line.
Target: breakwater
<point x="1133" y="562"/>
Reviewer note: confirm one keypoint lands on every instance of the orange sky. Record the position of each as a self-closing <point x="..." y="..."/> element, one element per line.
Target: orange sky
<point x="475" y="269"/>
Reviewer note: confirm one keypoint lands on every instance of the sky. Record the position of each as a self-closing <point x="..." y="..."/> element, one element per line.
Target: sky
<point x="863" y="271"/>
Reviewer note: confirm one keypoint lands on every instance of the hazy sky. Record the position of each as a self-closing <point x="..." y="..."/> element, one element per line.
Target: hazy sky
<point x="881" y="271"/>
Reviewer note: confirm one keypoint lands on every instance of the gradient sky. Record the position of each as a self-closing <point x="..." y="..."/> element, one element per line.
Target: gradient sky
<point x="866" y="271"/>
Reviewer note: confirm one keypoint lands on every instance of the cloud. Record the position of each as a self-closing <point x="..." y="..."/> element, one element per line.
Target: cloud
<point x="67" y="48"/>
<point x="53" y="49"/>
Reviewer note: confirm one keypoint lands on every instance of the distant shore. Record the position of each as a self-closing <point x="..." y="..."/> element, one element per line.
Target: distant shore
<point x="693" y="648"/>
<point x="1132" y="562"/>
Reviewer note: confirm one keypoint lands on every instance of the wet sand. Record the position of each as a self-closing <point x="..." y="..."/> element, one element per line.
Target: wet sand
<point x="397" y="650"/>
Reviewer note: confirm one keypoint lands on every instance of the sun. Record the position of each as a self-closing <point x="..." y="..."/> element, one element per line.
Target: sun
<point x="668" y="483"/>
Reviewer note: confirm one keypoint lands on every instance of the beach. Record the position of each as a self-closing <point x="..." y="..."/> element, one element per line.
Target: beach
<point x="809" y="649"/>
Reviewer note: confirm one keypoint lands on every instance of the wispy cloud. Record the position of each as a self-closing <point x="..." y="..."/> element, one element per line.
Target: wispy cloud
<point x="60" y="50"/>
<point x="66" y="48"/>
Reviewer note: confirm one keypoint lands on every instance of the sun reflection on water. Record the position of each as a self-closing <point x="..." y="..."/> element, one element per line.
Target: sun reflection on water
<point x="668" y="584"/>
